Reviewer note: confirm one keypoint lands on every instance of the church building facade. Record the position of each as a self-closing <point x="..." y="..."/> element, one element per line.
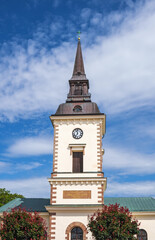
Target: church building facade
<point x="77" y="182"/>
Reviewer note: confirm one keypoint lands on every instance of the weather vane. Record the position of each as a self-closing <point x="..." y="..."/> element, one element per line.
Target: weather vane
<point x="78" y="35"/>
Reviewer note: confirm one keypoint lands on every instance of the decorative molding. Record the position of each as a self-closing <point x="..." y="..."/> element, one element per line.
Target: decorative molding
<point x="53" y="194"/>
<point x="79" y="119"/>
<point x="76" y="121"/>
<point x="78" y="181"/>
<point x="52" y="226"/>
<point x="99" y="147"/>
<point x="77" y="147"/>
<point x="71" y="208"/>
<point x="101" y="194"/>
<point x="55" y="148"/>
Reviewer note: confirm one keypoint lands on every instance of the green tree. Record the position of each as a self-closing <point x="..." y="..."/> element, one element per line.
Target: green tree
<point x="113" y="223"/>
<point x="22" y="225"/>
<point x="6" y="196"/>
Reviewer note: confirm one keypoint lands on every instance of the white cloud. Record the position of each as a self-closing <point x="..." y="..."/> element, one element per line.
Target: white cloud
<point x="125" y="161"/>
<point x="11" y="168"/>
<point x="26" y="167"/>
<point x="120" y="67"/>
<point x="33" y="187"/>
<point x="130" y="189"/>
<point x="33" y="84"/>
<point x="30" y="146"/>
<point x="123" y="69"/>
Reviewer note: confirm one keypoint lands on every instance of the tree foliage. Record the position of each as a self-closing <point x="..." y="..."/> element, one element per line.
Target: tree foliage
<point x="6" y="196"/>
<point x="22" y="225"/>
<point x="113" y="223"/>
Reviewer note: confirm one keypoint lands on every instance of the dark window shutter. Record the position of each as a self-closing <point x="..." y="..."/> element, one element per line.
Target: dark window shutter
<point x="77" y="162"/>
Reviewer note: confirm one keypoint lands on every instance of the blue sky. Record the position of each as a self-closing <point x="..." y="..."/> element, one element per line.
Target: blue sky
<point x="37" y="48"/>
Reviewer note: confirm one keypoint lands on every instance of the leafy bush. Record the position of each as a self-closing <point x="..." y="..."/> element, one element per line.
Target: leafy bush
<point x="113" y="223"/>
<point x="22" y="225"/>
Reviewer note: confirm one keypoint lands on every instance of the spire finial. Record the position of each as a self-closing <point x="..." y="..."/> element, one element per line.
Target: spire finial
<point x="78" y="32"/>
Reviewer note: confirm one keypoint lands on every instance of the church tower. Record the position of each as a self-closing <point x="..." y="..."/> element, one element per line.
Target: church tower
<point x="77" y="181"/>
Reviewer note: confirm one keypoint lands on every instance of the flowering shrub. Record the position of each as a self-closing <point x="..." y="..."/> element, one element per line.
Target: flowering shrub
<point x="22" y="225"/>
<point x="113" y="223"/>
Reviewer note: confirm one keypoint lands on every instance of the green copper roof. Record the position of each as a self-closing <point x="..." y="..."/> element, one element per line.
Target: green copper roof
<point x="12" y="204"/>
<point x="135" y="204"/>
<point x="30" y="204"/>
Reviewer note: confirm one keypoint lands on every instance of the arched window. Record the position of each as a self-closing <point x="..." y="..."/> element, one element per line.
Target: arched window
<point x="76" y="233"/>
<point x="142" y="235"/>
<point x="77" y="108"/>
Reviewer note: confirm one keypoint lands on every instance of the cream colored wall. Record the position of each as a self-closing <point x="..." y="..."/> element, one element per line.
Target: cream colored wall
<point x="64" y="219"/>
<point x="147" y="223"/>
<point x="93" y="189"/>
<point x="89" y="138"/>
<point x="77" y="175"/>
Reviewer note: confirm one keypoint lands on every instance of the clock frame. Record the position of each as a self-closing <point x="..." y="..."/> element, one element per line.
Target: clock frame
<point x="77" y="133"/>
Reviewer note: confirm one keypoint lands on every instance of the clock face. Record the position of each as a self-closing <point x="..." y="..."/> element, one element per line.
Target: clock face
<point x="77" y="133"/>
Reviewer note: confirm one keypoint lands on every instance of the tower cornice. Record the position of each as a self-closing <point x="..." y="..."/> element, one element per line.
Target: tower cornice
<point x="79" y="119"/>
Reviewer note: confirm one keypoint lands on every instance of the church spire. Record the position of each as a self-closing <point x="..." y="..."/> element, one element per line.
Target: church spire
<point x="78" y="99"/>
<point x="78" y="65"/>
<point x="79" y="84"/>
